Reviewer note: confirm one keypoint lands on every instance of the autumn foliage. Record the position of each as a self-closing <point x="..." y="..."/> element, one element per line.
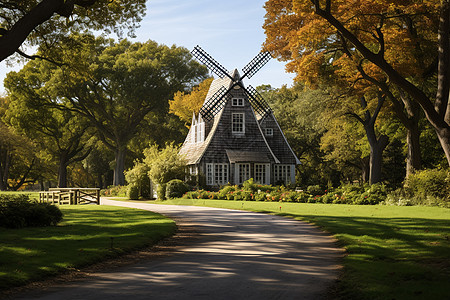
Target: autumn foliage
<point x="184" y="104"/>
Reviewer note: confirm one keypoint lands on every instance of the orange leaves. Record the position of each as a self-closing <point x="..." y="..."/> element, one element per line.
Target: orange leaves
<point x="403" y="31"/>
<point x="183" y="105"/>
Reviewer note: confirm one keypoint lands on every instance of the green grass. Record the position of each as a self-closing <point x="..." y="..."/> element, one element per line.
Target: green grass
<point x="82" y="238"/>
<point x="392" y="252"/>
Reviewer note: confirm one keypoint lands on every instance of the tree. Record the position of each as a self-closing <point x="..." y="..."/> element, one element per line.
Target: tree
<point x="377" y="143"/>
<point x="17" y="156"/>
<point x="62" y="133"/>
<point x="45" y="22"/>
<point x="164" y="164"/>
<point x="116" y="85"/>
<point x="185" y="104"/>
<point x="396" y="45"/>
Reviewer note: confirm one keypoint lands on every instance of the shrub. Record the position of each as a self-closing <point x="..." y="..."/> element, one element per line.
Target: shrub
<point x="161" y="191"/>
<point x="314" y="190"/>
<point x="133" y="192"/>
<point x="115" y="191"/>
<point x="176" y="188"/>
<point x="429" y="187"/>
<point x="19" y="211"/>
<point x="138" y="177"/>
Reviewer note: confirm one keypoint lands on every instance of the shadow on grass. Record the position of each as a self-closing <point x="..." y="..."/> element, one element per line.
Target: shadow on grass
<point x="405" y="258"/>
<point x="87" y="235"/>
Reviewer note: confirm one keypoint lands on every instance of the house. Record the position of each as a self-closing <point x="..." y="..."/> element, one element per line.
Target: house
<point x="236" y="137"/>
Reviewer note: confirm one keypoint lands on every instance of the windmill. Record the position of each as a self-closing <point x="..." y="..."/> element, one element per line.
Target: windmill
<point x="233" y="141"/>
<point x="217" y="101"/>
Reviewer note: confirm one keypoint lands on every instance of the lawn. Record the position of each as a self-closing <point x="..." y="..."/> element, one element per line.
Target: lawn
<point x="87" y="234"/>
<point x="392" y="252"/>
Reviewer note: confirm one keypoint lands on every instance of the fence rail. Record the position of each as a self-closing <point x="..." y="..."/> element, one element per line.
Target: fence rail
<point x="71" y="196"/>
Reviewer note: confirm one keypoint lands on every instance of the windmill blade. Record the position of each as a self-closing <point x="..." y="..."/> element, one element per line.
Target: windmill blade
<point x="213" y="65"/>
<point x="214" y="104"/>
<point x="256" y="64"/>
<point x="258" y="103"/>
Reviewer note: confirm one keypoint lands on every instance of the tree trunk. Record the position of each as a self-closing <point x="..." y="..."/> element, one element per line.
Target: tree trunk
<point x="414" y="157"/>
<point x="119" y="177"/>
<point x="444" y="138"/>
<point x="376" y="158"/>
<point x="365" y="168"/>
<point x="62" y="171"/>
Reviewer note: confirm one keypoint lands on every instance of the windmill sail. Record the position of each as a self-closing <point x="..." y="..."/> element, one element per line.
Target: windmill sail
<point x="214" y="104"/>
<point x="256" y="64"/>
<point x="213" y="65"/>
<point x="258" y="103"/>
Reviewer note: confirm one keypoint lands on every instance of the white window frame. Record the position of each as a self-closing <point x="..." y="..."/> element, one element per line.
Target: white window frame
<point x="260" y="173"/>
<point x="282" y="173"/>
<point x="209" y="174"/>
<point x="217" y="174"/>
<point x="200" y="132"/>
<point x="242" y="173"/>
<point x="220" y="174"/>
<point x="269" y="131"/>
<point x="237" y="102"/>
<point x="235" y="122"/>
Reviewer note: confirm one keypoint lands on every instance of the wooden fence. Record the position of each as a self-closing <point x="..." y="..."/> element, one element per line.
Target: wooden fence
<point x="71" y="196"/>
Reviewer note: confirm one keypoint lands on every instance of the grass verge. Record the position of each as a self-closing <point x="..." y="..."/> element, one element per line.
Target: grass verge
<point x="393" y="252"/>
<point x="87" y="235"/>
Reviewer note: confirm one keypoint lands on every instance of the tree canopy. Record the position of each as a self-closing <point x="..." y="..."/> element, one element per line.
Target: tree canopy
<point x="392" y="45"/>
<point x="113" y="85"/>
<point x="46" y="22"/>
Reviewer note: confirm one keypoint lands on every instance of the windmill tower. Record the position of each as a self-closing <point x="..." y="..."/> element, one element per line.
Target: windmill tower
<point x="235" y="136"/>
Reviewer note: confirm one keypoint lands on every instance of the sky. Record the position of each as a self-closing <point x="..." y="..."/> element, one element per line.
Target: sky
<point x="230" y="31"/>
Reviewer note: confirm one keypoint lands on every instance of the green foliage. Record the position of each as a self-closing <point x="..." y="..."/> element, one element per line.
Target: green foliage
<point x="176" y="188"/>
<point x="115" y="191"/>
<point x="133" y="192"/>
<point x="138" y="178"/>
<point x="429" y="187"/>
<point x="161" y="191"/>
<point x="164" y="164"/>
<point x="314" y="190"/>
<point x="17" y="211"/>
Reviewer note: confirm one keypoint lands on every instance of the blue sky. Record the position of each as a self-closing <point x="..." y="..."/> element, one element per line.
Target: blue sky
<point x="231" y="31"/>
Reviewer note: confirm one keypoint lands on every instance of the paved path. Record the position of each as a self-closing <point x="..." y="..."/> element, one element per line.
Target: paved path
<point x="238" y="255"/>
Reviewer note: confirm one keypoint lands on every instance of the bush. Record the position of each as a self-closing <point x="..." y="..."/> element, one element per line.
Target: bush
<point x="176" y="188"/>
<point x="314" y="190"/>
<point x="115" y="191"/>
<point x="161" y="191"/>
<point x="138" y="177"/>
<point x="429" y="187"/>
<point x="19" y="211"/>
<point x="133" y="192"/>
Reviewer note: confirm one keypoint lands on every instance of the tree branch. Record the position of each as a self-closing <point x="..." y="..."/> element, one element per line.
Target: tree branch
<point x="33" y="57"/>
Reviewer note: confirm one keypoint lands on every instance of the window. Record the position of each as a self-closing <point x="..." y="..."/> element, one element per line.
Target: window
<point x="238" y="123"/>
<point x="193" y="170"/>
<point x="260" y="173"/>
<point x="282" y="173"/>
<point x="238" y="102"/>
<point x="216" y="174"/>
<point x="209" y="174"/>
<point x="269" y="132"/>
<point x="244" y="172"/>
<point x="200" y="128"/>
<point x="220" y="174"/>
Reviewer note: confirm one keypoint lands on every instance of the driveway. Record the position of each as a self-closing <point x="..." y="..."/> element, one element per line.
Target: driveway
<point x="237" y="255"/>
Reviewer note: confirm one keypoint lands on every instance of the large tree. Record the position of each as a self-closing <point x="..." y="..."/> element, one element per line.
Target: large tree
<point x="402" y="47"/>
<point x="61" y="133"/>
<point x="116" y="86"/>
<point x="45" y="22"/>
